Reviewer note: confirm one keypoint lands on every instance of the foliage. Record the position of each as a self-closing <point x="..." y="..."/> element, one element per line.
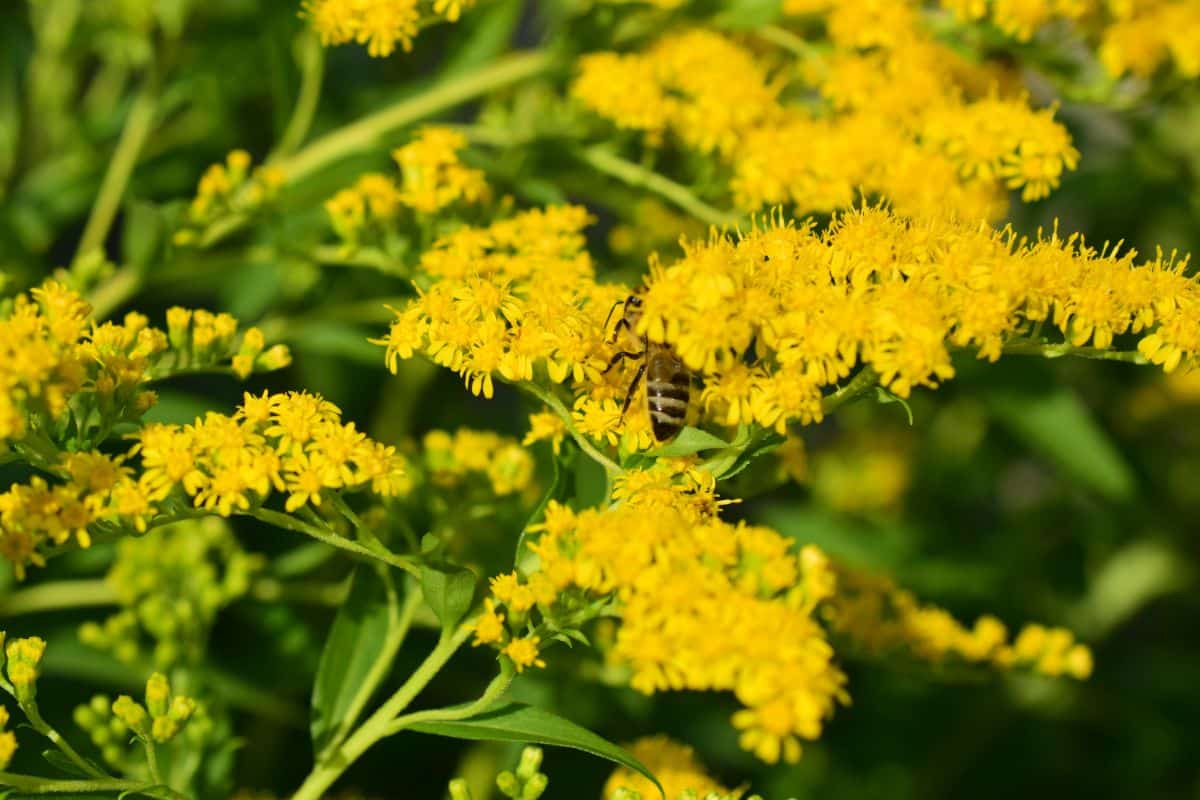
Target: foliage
<point x="580" y="373"/>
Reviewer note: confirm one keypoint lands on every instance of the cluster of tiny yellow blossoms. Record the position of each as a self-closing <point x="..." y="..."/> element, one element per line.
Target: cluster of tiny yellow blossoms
<point x="38" y="515"/>
<point x="453" y="458"/>
<point x="228" y="188"/>
<point x="873" y="611"/>
<point x="22" y="661"/>
<point x="772" y="319"/>
<point x="675" y="765"/>
<point x="900" y="116"/>
<point x="162" y="717"/>
<point x="293" y="443"/>
<point x="171" y="583"/>
<point x="8" y="739"/>
<point x="432" y="178"/>
<point x="713" y="606"/>
<point x="378" y="24"/>
<point x="705" y="605"/>
<point x="774" y="316"/>
<point x="1133" y="36"/>
<point x="517" y="292"/>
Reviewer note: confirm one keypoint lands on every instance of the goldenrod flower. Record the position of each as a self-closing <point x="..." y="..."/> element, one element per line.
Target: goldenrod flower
<point x="524" y="653"/>
<point x="675" y="765"/>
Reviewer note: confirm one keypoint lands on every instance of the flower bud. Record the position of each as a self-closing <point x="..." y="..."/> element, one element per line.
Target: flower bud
<point x="531" y="761"/>
<point x="130" y="712"/>
<point x="158" y="695"/>
<point x="459" y="790"/>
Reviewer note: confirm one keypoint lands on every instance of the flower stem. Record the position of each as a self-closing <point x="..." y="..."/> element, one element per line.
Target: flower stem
<point x="33" y="784"/>
<point x="611" y="467"/>
<point x="1060" y="349"/>
<point x="369" y="130"/>
<point x="866" y="379"/>
<point x="375" y="728"/>
<point x="603" y="160"/>
<point x="494" y="691"/>
<point x="399" y="621"/>
<point x="120" y="167"/>
<point x="45" y="729"/>
<point x="57" y="595"/>
<point x="290" y="523"/>
<point x="311" y="56"/>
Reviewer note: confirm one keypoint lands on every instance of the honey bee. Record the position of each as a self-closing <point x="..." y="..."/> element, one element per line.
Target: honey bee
<point x="668" y="381"/>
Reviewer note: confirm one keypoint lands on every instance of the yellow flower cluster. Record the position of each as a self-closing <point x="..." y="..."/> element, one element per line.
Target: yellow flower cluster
<point x="98" y="488"/>
<point x="518" y="292"/>
<point x="674" y="764"/>
<point x="228" y="188"/>
<point x="861" y="474"/>
<point x="22" y="661"/>
<point x="378" y="24"/>
<point x="1134" y="36"/>
<point x="8" y="739"/>
<point x="452" y="458"/>
<point x="772" y="319"/>
<point x="171" y="583"/>
<point x="705" y="605"/>
<point x="293" y="443"/>
<point x="51" y="352"/>
<point x="162" y="717"/>
<point x="901" y="116"/>
<point x="873" y="611"/>
<point x="712" y="606"/>
<point x="432" y="178"/>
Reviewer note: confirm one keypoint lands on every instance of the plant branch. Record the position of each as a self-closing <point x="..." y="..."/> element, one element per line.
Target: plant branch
<point x="865" y="380"/>
<point x="120" y="167"/>
<point x="45" y="729"/>
<point x="494" y="691"/>
<point x="325" y="772"/>
<point x="57" y="595"/>
<point x="604" y="160"/>
<point x="1059" y="349"/>
<point x="611" y="467"/>
<point x="290" y="523"/>
<point x="311" y="56"/>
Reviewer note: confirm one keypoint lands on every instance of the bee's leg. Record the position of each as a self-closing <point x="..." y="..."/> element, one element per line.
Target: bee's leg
<point x="608" y="319"/>
<point x="618" y="358"/>
<point x="637" y="379"/>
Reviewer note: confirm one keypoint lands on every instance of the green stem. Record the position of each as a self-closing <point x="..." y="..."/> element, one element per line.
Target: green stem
<point x="120" y="167"/>
<point x="611" y="467"/>
<point x="603" y="160"/>
<point x="56" y="596"/>
<point x="152" y="761"/>
<point x="45" y="729"/>
<point x="312" y="72"/>
<point x="375" y="728"/>
<point x="866" y="379"/>
<point x="494" y="691"/>
<point x="1058" y="350"/>
<point x="399" y="621"/>
<point x="114" y="292"/>
<point x="290" y="523"/>
<point x="789" y="41"/>
<point x="368" y="131"/>
<point x="32" y="784"/>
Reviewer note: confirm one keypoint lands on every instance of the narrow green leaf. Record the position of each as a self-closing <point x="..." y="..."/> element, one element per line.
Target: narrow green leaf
<point x="449" y="590"/>
<point x="354" y="643"/>
<point x="1060" y="427"/>
<point x="690" y="440"/>
<point x="59" y="761"/>
<point x="517" y="722"/>
<point x="884" y="397"/>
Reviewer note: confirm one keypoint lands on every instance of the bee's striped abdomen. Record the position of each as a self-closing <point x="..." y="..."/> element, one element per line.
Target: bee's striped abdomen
<point x="668" y="385"/>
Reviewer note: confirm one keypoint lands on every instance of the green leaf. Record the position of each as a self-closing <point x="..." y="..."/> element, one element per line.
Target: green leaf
<point x="690" y="440"/>
<point x="354" y="643"/>
<point x="59" y="761"/>
<point x="883" y="396"/>
<point x="745" y="15"/>
<point x="449" y="590"/>
<point x="337" y="339"/>
<point x="517" y="722"/>
<point x="1057" y="425"/>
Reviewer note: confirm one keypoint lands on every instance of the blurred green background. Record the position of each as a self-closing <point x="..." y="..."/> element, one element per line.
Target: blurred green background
<point x="1064" y="492"/>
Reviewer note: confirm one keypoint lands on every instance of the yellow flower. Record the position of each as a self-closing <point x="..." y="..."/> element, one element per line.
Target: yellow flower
<point x="524" y="653"/>
<point x="675" y="765"/>
<point x="379" y="24"/>
<point x="489" y="628"/>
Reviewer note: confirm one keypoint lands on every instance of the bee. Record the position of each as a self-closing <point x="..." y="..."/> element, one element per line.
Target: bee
<point x="668" y="381"/>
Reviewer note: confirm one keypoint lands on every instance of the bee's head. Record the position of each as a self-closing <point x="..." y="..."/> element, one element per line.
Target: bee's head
<point x="633" y="301"/>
